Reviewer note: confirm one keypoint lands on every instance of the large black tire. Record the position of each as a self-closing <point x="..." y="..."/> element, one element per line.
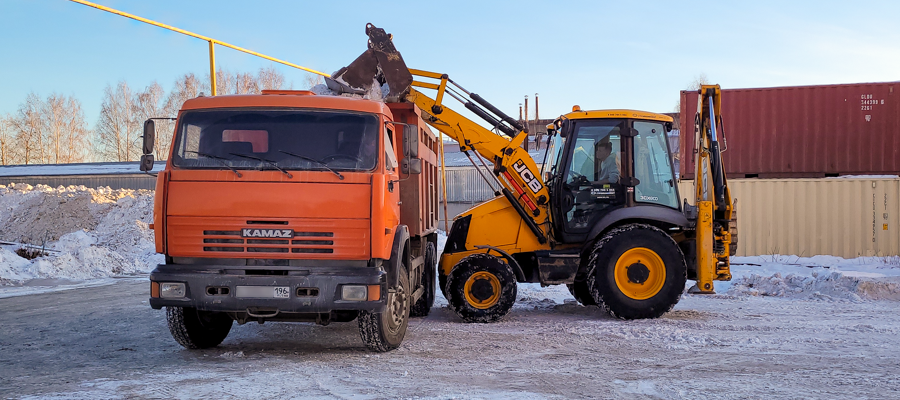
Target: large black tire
<point x="581" y="292"/>
<point x="637" y="271"/>
<point x="424" y="304"/>
<point x="384" y="331"/>
<point x="482" y="288"/>
<point x="195" y="329"/>
<point x="442" y="282"/>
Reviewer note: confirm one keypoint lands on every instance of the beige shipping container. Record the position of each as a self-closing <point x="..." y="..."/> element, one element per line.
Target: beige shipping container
<point x="844" y="217"/>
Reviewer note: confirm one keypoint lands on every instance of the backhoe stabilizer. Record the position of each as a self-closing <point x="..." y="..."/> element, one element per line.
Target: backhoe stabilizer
<point x="381" y="63"/>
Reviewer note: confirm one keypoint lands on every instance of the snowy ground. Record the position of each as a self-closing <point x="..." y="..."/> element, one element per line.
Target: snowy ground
<point x="785" y="327"/>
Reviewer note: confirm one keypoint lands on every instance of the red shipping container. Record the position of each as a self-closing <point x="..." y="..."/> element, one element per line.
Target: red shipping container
<point x="803" y="131"/>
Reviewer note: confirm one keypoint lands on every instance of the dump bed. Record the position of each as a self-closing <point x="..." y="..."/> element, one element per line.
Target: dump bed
<point x="419" y="193"/>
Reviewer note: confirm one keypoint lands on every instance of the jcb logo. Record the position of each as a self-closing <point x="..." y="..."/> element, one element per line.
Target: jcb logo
<point x="533" y="183"/>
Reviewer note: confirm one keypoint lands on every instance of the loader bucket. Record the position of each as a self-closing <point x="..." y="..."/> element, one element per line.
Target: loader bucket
<point x="380" y="64"/>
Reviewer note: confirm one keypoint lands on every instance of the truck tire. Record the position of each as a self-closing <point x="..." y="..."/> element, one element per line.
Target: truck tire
<point x="196" y="329"/>
<point x="384" y="331"/>
<point x="637" y="271"/>
<point x="424" y="304"/>
<point x="482" y="288"/>
<point x="581" y="292"/>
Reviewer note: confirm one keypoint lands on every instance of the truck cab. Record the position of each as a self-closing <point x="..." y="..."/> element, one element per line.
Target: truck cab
<point x="288" y="206"/>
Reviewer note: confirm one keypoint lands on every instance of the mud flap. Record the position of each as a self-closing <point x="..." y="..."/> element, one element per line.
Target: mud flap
<point x="401" y="238"/>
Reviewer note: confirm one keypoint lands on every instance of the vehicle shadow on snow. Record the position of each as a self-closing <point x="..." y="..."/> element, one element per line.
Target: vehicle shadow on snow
<point x="303" y="340"/>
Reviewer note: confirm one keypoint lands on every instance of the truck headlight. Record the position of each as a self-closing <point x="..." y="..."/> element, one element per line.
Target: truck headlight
<point x="171" y="290"/>
<point x="354" y="292"/>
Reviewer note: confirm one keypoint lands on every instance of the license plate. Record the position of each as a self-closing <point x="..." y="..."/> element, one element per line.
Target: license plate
<point x="263" y="292"/>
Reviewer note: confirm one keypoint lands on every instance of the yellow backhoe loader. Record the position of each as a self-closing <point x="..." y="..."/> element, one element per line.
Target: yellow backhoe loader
<point x="603" y="217"/>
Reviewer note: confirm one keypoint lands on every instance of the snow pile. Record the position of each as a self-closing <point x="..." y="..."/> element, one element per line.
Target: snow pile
<point x="93" y="233"/>
<point x="819" y="277"/>
<point x="376" y="92"/>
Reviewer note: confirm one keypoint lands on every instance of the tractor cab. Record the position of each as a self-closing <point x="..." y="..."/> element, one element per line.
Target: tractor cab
<point x="599" y="162"/>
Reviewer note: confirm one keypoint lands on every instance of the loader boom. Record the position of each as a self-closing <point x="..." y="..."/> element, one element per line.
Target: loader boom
<point x="514" y="168"/>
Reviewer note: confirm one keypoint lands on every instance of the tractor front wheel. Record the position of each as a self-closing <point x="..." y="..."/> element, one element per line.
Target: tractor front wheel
<point x="481" y="288"/>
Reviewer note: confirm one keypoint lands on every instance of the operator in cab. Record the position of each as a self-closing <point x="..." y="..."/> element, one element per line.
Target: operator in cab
<point x="604" y="168"/>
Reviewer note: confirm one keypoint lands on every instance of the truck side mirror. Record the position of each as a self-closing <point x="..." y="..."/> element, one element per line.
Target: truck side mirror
<point x="149" y="138"/>
<point x="147" y="162"/>
<point x="410" y="141"/>
<point x="411" y="166"/>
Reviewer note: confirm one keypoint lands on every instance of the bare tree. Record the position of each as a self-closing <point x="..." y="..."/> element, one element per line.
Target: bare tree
<point x="118" y="127"/>
<point x="269" y="79"/>
<point x="187" y="87"/>
<point x="29" y="131"/>
<point x="6" y="140"/>
<point x="313" y="80"/>
<point x="699" y="80"/>
<point x="149" y="104"/>
<point x="66" y="128"/>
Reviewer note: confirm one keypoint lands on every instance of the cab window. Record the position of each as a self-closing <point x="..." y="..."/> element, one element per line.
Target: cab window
<point x="652" y="165"/>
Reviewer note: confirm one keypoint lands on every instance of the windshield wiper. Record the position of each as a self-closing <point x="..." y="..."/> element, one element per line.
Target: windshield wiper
<point x="270" y="162"/>
<point x="315" y="161"/>
<point x="221" y="160"/>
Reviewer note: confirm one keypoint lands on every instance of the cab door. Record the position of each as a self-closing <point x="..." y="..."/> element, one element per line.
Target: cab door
<point x="587" y="177"/>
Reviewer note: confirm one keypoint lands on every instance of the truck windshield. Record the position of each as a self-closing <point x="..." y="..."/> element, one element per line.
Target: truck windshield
<point x="272" y="139"/>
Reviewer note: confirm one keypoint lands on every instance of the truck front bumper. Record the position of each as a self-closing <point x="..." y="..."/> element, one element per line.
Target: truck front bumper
<point x="311" y="289"/>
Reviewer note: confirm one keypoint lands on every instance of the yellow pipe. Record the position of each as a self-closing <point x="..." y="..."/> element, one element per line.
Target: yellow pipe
<point x="212" y="67"/>
<point x="208" y="39"/>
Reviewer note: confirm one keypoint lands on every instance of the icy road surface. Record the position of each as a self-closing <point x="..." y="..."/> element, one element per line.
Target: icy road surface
<point x="106" y="342"/>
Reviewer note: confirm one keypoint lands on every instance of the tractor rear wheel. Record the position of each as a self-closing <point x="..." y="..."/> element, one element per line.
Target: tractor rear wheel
<point x="481" y="288"/>
<point x="637" y="271"/>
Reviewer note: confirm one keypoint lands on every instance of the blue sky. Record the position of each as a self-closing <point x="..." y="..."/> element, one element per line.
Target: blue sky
<point x="598" y="54"/>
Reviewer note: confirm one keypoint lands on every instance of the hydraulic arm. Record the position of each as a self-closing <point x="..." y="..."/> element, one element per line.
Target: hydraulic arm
<point x="712" y="197"/>
<point x="514" y="168"/>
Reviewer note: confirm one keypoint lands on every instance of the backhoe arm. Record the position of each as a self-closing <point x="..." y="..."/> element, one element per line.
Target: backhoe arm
<point x="712" y="197"/>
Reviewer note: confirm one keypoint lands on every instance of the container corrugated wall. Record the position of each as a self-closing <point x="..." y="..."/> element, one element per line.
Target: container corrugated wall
<point x="804" y="131"/>
<point x="805" y="217"/>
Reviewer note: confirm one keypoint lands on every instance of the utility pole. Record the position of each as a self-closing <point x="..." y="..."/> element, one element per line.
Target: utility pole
<point x="526" y="123"/>
<point x="538" y="131"/>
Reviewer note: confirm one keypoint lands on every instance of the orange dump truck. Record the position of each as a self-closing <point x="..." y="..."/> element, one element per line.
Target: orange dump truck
<point x="289" y="206"/>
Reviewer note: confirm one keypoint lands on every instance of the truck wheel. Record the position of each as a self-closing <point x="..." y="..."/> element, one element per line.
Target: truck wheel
<point x="582" y="293"/>
<point x="423" y="305"/>
<point x="482" y="288"/>
<point x="384" y="331"/>
<point x="637" y="271"/>
<point x="195" y="329"/>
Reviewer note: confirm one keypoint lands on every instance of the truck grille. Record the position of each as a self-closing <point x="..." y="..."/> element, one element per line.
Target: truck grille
<point x="258" y="245"/>
<point x="316" y="238"/>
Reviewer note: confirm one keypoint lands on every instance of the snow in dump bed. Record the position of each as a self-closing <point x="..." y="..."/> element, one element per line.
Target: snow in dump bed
<point x="89" y="233"/>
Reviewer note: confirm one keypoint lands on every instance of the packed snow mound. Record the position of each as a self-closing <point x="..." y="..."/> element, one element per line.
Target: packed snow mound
<point x="91" y="233"/>
<point x="825" y="286"/>
<point x="819" y="277"/>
